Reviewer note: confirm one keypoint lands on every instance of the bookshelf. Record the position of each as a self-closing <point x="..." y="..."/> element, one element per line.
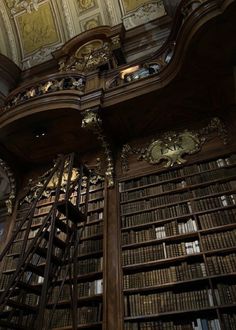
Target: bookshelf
<point x="89" y="261"/>
<point x="178" y="247"/>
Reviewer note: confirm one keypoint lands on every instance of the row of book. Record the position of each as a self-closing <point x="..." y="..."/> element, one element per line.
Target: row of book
<point x="84" y="289"/>
<point x="222" y="264"/>
<point x="187" y="206"/>
<point x="180" y="172"/>
<point x="219" y="240"/>
<point x="93" y="206"/>
<point x="168" y="301"/>
<point x="219" y="218"/>
<point x="92" y="230"/>
<point x="153" y="190"/>
<point x="214" y="202"/>
<point x="168" y="229"/>
<point x="179" y="210"/>
<point x="153" y="202"/>
<point x="92" y="196"/>
<point x="95" y="216"/>
<point x="229" y="321"/>
<point x="214" y="189"/>
<point x="86" y="315"/>
<point x="176" y="197"/>
<point x="158" y="252"/>
<point x="197" y="324"/>
<point x="210" y="176"/>
<point x="89" y="246"/>
<point x="225" y="294"/>
<point x="160" y="189"/>
<point x="182" y="272"/>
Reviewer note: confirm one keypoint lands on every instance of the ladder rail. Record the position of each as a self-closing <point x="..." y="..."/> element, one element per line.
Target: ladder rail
<point x="29" y="213"/>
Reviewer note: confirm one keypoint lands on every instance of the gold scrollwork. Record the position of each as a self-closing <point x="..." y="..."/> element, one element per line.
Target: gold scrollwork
<point x="172" y="146"/>
<point x="93" y="122"/>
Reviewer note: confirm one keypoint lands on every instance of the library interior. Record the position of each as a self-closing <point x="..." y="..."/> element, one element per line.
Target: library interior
<point x="117" y="165"/>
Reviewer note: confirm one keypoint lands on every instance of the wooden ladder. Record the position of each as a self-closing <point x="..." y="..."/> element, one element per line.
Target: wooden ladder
<point x="23" y="302"/>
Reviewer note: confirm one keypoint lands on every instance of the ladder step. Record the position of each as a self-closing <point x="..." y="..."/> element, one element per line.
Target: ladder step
<point x="10" y="325"/>
<point x="39" y="270"/>
<point x="73" y="213"/>
<point x="26" y="308"/>
<point x="43" y="253"/>
<point x="63" y="226"/>
<point x="35" y="289"/>
<point x="56" y="241"/>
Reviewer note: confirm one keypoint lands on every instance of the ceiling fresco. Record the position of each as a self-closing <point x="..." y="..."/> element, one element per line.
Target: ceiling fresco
<point x="30" y="30"/>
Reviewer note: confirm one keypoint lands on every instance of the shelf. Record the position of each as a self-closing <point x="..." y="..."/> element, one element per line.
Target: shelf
<point x="173" y="313"/>
<point x="91" y="237"/>
<point x="187" y="282"/>
<point x="180" y="236"/>
<point x="88" y="326"/>
<point x="188" y="215"/>
<point x="90" y="223"/>
<point x="182" y="177"/>
<point x="184" y="189"/>
<point x="161" y="240"/>
<point x="83" y="301"/>
<point x="151" y="264"/>
<point x="91" y="254"/>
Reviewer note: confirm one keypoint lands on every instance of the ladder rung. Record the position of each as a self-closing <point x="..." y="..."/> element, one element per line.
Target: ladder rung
<point x="10" y="325"/>
<point x="56" y="241"/>
<point x="43" y="253"/>
<point x="26" y="308"/>
<point x="73" y="213"/>
<point x="36" y="289"/>
<point x="63" y="226"/>
<point x="39" y="270"/>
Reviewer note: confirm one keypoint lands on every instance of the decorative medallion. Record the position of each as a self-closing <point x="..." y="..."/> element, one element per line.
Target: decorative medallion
<point x="172" y="146"/>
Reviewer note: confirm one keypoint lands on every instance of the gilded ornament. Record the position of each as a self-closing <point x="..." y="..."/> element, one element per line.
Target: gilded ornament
<point x="93" y="122"/>
<point x="172" y="146"/>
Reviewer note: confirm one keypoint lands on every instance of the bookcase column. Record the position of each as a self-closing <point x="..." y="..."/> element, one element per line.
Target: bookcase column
<point x="113" y="312"/>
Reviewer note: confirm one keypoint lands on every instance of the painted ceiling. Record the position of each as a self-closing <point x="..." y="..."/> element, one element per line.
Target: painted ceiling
<point x="30" y="30"/>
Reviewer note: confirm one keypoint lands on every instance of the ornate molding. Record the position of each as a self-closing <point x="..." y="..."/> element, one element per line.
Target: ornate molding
<point x="93" y="122"/>
<point x="68" y="18"/>
<point x="172" y="146"/>
<point x="9" y="201"/>
<point x="144" y="14"/>
<point x="11" y="36"/>
<point x="76" y="82"/>
<point x="42" y="55"/>
<point x="17" y="6"/>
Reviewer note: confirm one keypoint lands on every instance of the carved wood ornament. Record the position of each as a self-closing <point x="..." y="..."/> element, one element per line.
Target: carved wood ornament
<point x="172" y="146"/>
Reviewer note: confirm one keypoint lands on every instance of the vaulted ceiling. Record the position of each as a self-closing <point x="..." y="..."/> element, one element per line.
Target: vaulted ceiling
<point x="30" y="30"/>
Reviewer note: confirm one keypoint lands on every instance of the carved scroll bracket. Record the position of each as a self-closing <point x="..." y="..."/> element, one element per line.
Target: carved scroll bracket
<point x="172" y="146"/>
<point x="9" y="187"/>
<point x="93" y="122"/>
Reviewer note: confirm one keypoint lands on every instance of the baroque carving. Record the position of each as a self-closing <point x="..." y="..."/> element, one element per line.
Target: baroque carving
<point x="49" y="86"/>
<point x="34" y="186"/>
<point x="144" y="14"/>
<point x="88" y="57"/>
<point x="172" y="146"/>
<point x="16" y="6"/>
<point x="93" y="122"/>
<point x="11" y="189"/>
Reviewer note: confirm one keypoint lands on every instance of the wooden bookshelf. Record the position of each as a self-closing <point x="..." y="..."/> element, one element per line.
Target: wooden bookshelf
<point x="178" y="247"/>
<point x="89" y="259"/>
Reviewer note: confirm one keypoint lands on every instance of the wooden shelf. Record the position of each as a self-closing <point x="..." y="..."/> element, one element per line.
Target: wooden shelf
<point x="89" y="326"/>
<point x="174" y="238"/>
<point x="151" y="264"/>
<point x="184" y="216"/>
<point x="187" y="282"/>
<point x="82" y="301"/>
<point x="182" y="177"/>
